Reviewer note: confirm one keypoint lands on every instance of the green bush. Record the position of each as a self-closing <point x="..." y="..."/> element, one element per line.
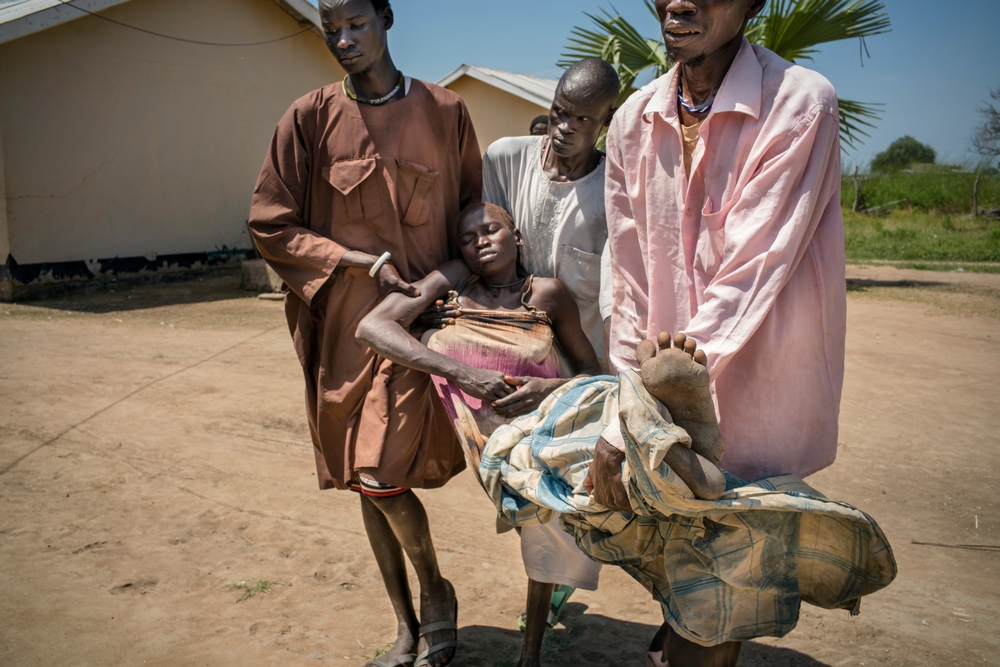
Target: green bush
<point x="902" y="153"/>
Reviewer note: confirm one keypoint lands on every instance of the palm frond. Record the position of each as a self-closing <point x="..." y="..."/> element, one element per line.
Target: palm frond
<point x="615" y="40"/>
<point x="854" y="118"/>
<point x="794" y="28"/>
<point x="651" y="6"/>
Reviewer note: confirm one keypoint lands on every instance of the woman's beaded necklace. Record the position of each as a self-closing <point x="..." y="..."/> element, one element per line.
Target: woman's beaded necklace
<point x="376" y="102"/>
<point x="500" y="287"/>
<point x="495" y="290"/>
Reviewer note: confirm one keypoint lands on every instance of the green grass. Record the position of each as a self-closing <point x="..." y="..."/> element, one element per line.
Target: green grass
<point x="379" y="652"/>
<point x="257" y="587"/>
<point x="925" y="191"/>
<point x="557" y="642"/>
<point x="912" y="236"/>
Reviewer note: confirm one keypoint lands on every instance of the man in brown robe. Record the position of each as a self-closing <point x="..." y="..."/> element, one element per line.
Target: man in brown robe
<point x="374" y="164"/>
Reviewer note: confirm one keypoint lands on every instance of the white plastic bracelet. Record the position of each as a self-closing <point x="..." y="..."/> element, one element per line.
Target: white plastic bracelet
<point x="378" y="264"/>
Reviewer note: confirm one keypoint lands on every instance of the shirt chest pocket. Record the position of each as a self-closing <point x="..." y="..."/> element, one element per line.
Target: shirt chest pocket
<point x="581" y="272"/>
<point x="416" y="195"/>
<point x="358" y="197"/>
<point x="711" y="240"/>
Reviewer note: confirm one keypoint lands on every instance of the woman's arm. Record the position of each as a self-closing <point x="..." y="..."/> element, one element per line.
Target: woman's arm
<point x="385" y="330"/>
<point x="555" y="299"/>
<point x="565" y="316"/>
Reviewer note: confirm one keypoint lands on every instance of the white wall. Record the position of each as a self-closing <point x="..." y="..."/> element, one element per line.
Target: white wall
<point x="122" y="144"/>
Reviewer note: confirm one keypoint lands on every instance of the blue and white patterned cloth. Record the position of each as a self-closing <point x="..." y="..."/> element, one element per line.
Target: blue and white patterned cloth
<point x="724" y="570"/>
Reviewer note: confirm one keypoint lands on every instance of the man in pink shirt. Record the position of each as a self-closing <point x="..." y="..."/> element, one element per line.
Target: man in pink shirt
<point x="723" y="203"/>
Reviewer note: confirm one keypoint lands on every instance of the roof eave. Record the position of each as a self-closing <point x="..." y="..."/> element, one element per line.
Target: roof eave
<point x="58" y="12"/>
<point x="51" y="16"/>
<point x="303" y="12"/>
<point x="477" y="74"/>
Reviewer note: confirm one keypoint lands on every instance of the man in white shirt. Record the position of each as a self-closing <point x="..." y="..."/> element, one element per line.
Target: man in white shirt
<point x="553" y="186"/>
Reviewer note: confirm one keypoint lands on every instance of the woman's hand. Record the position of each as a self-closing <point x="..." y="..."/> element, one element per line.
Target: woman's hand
<point x="487" y="385"/>
<point x="529" y="395"/>
<point x="389" y="282"/>
<point x="439" y="315"/>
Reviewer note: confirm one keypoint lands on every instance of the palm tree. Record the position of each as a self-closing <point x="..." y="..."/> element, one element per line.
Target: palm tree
<point x="791" y="28"/>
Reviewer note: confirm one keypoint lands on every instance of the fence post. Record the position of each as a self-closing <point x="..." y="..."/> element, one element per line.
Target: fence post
<point x="857" y="191"/>
<point x="975" y="196"/>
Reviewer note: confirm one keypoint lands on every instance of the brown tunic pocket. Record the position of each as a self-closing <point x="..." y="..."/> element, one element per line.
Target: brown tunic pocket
<point x="354" y="180"/>
<point x="414" y="191"/>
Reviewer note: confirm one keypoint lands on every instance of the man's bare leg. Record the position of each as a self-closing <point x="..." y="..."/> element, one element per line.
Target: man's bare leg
<point x="389" y="556"/>
<point x="678" y="378"/>
<point x="407" y="519"/>
<point x="535" y="622"/>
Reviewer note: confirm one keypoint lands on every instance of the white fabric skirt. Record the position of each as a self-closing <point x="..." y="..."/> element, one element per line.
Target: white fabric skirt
<point x="551" y="556"/>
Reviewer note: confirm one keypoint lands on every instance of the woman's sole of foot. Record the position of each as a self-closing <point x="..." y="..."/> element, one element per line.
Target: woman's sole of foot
<point x="678" y="378"/>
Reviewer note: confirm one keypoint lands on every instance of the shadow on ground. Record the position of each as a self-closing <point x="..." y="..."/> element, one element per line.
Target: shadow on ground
<point x="860" y="284"/>
<point x="592" y="640"/>
<point x="218" y="285"/>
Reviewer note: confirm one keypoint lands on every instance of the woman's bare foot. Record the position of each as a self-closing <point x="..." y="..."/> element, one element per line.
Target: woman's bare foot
<point x="677" y="376"/>
<point x="438" y="606"/>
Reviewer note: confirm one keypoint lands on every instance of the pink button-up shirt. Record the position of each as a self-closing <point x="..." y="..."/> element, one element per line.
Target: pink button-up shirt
<point x="746" y="257"/>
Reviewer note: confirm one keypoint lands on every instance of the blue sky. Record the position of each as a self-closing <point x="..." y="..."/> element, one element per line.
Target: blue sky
<point x="931" y="71"/>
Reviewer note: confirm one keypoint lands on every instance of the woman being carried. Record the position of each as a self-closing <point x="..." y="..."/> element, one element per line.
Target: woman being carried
<point x="516" y="339"/>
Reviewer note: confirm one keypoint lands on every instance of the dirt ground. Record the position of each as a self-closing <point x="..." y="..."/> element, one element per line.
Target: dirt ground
<point x="153" y="453"/>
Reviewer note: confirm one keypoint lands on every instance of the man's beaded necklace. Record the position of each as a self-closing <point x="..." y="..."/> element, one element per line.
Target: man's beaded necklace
<point x="376" y="102"/>
<point x="690" y="107"/>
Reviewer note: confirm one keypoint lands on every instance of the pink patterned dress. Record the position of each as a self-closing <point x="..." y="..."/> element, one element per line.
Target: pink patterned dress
<point x="516" y="343"/>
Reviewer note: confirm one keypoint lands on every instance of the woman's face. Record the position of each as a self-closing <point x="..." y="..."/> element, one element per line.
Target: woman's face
<point x="489" y="245"/>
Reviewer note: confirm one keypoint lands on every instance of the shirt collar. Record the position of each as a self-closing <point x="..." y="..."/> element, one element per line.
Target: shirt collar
<point x="741" y="90"/>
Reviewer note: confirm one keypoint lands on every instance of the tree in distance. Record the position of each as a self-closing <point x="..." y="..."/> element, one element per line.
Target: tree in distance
<point x="986" y="141"/>
<point x="902" y="153"/>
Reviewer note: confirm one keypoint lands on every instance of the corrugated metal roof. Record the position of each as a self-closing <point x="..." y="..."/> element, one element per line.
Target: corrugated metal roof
<point x="20" y="18"/>
<point x="531" y="88"/>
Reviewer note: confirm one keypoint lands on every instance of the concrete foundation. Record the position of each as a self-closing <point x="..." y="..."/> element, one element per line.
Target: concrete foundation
<point x="259" y="277"/>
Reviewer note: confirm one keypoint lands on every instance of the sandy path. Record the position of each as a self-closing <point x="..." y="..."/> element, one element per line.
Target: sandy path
<point x="144" y="468"/>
